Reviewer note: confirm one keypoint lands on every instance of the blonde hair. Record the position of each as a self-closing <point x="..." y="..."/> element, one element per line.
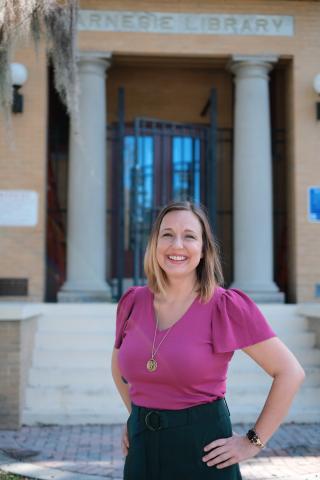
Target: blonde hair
<point x="209" y="271"/>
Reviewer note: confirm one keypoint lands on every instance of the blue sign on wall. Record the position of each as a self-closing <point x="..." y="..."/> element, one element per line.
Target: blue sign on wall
<point x="314" y="204"/>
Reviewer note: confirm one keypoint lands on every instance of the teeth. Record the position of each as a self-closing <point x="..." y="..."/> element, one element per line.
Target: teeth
<point x="176" y="257"/>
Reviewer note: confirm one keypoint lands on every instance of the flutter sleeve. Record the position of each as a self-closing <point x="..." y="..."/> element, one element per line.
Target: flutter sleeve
<point x="124" y="310"/>
<point x="237" y="322"/>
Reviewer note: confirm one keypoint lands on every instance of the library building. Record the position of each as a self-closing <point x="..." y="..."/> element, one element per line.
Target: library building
<point x="213" y="102"/>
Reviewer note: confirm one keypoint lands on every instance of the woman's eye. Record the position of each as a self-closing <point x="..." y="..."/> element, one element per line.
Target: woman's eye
<point x="167" y="235"/>
<point x="190" y="236"/>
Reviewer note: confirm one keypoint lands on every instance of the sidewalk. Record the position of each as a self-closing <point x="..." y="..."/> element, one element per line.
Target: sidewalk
<point x="94" y="453"/>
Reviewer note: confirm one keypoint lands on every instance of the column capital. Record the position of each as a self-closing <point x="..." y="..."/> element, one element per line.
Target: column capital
<point x="253" y="66"/>
<point x="94" y="61"/>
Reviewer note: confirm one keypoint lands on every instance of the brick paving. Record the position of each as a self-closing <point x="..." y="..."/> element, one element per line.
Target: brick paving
<point x="293" y="453"/>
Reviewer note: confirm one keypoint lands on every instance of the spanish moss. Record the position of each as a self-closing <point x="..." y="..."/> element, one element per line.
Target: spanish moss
<point x="56" y="23"/>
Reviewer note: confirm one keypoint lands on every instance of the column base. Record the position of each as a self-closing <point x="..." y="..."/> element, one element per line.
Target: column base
<point x="267" y="297"/>
<point x="67" y="294"/>
<point x="270" y="294"/>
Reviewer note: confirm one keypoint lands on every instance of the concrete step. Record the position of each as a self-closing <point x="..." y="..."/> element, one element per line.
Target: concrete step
<point x="98" y="397"/>
<point x="250" y="413"/>
<point x="68" y="398"/>
<point x="280" y="310"/>
<point x="86" y="417"/>
<point x="307" y="397"/>
<point x="53" y="340"/>
<point x="70" y="379"/>
<point x="72" y="358"/>
<point x="307" y="357"/>
<point x="118" y="414"/>
<point x="77" y="317"/>
<point x="56" y="311"/>
<point x="243" y="415"/>
<point x="98" y="358"/>
<point x="259" y="378"/>
<point x="47" y="340"/>
<point x="298" y="340"/>
<point x="81" y="323"/>
<point x="284" y="324"/>
<point x="48" y="376"/>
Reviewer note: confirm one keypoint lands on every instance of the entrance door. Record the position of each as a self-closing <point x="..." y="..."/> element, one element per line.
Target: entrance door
<point x="163" y="161"/>
<point x="154" y="162"/>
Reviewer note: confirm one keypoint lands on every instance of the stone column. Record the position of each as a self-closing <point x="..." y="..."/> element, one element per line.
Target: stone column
<point x="86" y="235"/>
<point x="252" y="188"/>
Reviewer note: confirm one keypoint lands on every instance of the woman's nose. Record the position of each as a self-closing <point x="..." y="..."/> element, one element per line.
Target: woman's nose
<point x="178" y="241"/>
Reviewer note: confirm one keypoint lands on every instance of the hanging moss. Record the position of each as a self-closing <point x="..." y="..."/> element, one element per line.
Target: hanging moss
<point x="53" y="20"/>
<point x="61" y="28"/>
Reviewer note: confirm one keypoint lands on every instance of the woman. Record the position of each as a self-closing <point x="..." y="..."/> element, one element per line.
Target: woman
<point x="174" y="340"/>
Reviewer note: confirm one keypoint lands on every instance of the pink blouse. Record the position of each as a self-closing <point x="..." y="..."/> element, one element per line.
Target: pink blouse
<point x="193" y="359"/>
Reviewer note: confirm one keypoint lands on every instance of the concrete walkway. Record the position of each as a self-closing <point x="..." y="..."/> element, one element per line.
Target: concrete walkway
<point x="94" y="453"/>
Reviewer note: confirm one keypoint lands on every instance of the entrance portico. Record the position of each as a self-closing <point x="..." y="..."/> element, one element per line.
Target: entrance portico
<point x="252" y="211"/>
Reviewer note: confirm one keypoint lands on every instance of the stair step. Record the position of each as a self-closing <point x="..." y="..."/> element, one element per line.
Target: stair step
<point x="259" y="378"/>
<point x="81" y="323"/>
<point x="298" y="339"/>
<point x="307" y="397"/>
<point x="47" y="340"/>
<point x="48" y="376"/>
<point x="306" y="356"/>
<point x="245" y="414"/>
<point x="78" y="397"/>
<point x="70" y="380"/>
<point x="66" y="399"/>
<point x="72" y="358"/>
<point x="250" y="413"/>
<point x="78" y="417"/>
<point x="287" y="324"/>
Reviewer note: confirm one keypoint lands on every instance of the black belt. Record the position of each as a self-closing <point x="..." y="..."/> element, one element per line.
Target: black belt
<point x="142" y="418"/>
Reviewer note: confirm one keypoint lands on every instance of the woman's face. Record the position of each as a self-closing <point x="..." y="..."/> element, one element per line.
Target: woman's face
<point x="179" y="246"/>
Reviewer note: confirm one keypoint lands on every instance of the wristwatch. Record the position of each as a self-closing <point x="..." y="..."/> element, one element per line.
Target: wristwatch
<point x="254" y="438"/>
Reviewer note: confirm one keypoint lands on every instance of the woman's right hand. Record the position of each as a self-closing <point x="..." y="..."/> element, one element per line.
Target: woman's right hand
<point x="125" y="440"/>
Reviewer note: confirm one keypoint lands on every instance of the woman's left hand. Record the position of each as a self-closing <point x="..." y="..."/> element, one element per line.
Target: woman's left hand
<point x="228" y="451"/>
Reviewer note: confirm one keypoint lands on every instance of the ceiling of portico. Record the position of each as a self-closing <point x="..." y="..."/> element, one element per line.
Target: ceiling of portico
<point x="178" y="61"/>
<point x="169" y="61"/>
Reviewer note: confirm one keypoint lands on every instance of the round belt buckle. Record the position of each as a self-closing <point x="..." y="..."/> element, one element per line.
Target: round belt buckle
<point x="151" y="427"/>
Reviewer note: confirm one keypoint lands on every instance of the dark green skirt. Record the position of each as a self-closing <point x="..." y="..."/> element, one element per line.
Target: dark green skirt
<point x="168" y="444"/>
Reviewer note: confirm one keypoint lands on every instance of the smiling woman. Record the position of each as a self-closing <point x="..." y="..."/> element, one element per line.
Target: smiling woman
<point x="174" y="340"/>
<point x="182" y="228"/>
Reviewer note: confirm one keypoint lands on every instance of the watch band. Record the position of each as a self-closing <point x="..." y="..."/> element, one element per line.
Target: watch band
<point x="254" y="438"/>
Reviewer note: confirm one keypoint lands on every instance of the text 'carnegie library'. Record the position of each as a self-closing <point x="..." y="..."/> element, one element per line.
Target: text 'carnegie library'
<point x="185" y="23"/>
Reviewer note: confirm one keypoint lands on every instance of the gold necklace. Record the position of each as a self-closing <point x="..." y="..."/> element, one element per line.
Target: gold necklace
<point x="152" y="363"/>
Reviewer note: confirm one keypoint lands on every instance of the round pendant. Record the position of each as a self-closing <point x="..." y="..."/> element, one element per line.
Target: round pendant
<point x="152" y="365"/>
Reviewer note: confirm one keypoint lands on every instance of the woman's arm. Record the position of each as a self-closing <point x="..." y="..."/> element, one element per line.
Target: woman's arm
<point x="279" y="362"/>
<point x="122" y="387"/>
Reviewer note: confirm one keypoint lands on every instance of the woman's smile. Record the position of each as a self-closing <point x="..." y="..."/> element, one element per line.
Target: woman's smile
<point x="177" y="258"/>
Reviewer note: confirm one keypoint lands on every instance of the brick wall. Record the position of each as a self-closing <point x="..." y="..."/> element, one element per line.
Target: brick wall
<point x="16" y="345"/>
<point x="23" y="167"/>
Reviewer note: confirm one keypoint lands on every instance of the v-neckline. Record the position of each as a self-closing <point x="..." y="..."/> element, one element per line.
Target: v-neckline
<point x="154" y="318"/>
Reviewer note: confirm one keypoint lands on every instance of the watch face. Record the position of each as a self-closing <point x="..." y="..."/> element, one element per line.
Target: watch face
<point x="251" y="434"/>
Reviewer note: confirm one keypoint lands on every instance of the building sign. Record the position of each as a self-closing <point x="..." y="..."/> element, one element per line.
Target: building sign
<point x="314" y="204"/>
<point x="18" y="208"/>
<point x="185" y="23"/>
